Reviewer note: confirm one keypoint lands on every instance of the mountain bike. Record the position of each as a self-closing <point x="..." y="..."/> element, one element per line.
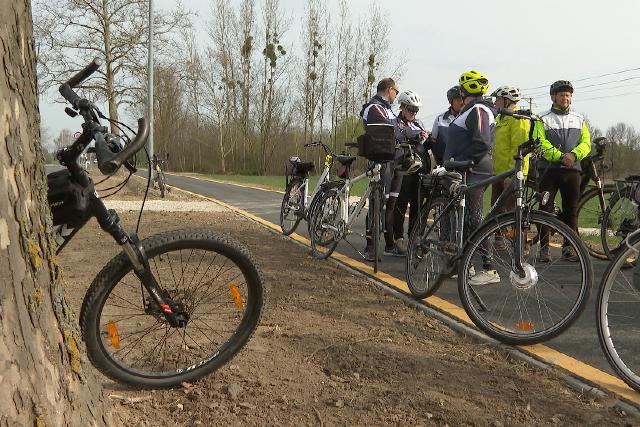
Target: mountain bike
<point x="168" y="309"/>
<point x="530" y="301"/>
<point x="620" y="218"/>
<point x="297" y="204"/>
<point x="594" y="199"/>
<point x="617" y="314"/>
<point x="333" y="216"/>
<point x="159" y="179"/>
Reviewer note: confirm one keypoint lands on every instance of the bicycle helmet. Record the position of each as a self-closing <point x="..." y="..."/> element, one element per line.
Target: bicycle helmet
<point x="409" y="163"/>
<point x="453" y="93"/>
<point x="510" y="92"/>
<point x="409" y="97"/>
<point x="474" y="83"/>
<point x="561" y="86"/>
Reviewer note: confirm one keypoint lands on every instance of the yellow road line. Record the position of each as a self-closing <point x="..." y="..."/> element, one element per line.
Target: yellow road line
<point x="549" y="355"/>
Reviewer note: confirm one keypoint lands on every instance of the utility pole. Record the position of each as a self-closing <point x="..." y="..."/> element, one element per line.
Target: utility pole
<point x="150" y="87"/>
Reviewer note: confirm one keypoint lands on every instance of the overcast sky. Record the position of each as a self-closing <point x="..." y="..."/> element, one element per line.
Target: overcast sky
<point x="526" y="44"/>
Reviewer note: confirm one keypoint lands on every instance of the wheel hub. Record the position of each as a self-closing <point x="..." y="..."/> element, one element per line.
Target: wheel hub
<point x="529" y="280"/>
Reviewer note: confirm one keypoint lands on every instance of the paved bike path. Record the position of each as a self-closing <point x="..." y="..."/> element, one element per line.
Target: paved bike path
<point x="580" y="342"/>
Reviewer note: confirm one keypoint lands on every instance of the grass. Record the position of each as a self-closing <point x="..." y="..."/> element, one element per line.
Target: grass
<point x="277" y="182"/>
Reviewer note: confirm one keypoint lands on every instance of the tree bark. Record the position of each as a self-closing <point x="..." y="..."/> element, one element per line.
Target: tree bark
<point x="44" y="378"/>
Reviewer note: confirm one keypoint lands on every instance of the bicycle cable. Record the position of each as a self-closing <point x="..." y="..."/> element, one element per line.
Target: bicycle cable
<point x="146" y="191"/>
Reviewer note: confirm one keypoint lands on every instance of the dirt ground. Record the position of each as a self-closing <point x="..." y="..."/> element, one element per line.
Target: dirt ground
<point x="333" y="349"/>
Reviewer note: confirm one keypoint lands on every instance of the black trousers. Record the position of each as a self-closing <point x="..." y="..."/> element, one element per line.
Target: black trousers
<point x="408" y="198"/>
<point x="567" y="181"/>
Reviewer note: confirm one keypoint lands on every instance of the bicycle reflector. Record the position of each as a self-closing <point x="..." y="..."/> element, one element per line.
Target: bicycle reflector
<point x="237" y="298"/>
<point x="113" y="334"/>
<point x="524" y="326"/>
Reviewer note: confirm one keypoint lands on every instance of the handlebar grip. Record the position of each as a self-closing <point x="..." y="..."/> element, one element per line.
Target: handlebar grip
<point x="83" y="74"/>
<point x="69" y="94"/>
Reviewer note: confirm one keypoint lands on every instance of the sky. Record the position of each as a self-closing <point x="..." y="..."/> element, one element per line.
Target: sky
<point x="524" y="44"/>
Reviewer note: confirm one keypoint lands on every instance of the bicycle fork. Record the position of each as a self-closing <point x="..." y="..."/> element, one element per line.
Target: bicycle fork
<point x="110" y="222"/>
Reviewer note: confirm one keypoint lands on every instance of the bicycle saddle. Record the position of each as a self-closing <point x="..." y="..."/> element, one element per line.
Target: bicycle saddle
<point x="302" y="166"/>
<point x="345" y="160"/>
<point x="458" y="165"/>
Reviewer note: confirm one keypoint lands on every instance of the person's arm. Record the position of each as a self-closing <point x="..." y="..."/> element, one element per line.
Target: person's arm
<point x="434" y="129"/>
<point x="549" y="151"/>
<point x="376" y="115"/>
<point x="583" y="148"/>
<point x="519" y="133"/>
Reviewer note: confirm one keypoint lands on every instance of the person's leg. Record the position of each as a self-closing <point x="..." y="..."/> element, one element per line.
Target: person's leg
<point x="394" y="191"/>
<point x="414" y="203"/>
<point x="549" y="182"/>
<point x="570" y="193"/>
<point x="401" y="208"/>
<point x="475" y="204"/>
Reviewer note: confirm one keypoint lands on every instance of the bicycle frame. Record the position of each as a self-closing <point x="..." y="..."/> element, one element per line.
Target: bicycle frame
<point x="373" y="174"/>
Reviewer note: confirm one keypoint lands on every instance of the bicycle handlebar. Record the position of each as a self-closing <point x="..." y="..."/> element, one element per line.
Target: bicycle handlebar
<point x="66" y="89"/>
<point x="108" y="161"/>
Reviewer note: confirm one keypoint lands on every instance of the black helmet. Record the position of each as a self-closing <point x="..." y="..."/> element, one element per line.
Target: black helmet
<point x="560" y="86"/>
<point x="454" y="92"/>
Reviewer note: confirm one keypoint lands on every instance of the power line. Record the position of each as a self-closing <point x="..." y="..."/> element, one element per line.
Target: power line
<point x="589" y="78"/>
<point x="609" y="96"/>
<point x="542" y="94"/>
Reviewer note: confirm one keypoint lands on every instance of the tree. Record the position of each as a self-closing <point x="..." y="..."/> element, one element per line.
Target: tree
<point x="72" y="32"/>
<point x="44" y="378"/>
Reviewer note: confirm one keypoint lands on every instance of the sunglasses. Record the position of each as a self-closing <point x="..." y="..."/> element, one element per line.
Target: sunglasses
<point x="397" y="91"/>
<point x="413" y="110"/>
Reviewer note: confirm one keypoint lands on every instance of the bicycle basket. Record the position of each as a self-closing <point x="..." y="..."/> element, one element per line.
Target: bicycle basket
<point x="68" y="200"/>
<point x="450" y="182"/>
<point x="377" y="144"/>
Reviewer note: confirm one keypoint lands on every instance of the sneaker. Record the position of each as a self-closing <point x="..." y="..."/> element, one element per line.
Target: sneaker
<point x="395" y="250"/>
<point x="472" y="272"/>
<point x="368" y="254"/>
<point x="543" y="256"/>
<point x="569" y="254"/>
<point x="400" y="243"/>
<point x="485" y="277"/>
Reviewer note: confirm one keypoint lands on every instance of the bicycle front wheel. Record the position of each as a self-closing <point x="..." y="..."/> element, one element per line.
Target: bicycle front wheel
<point x="215" y="280"/>
<point x="618" y="221"/>
<point x="618" y="317"/>
<point x="530" y="309"/>
<point x="590" y="216"/>
<point x="427" y="263"/>
<point x="292" y="207"/>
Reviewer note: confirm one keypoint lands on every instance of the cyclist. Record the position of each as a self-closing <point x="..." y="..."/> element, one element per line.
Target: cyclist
<point x="377" y="112"/>
<point x="510" y="133"/>
<point x="409" y="130"/>
<point x="567" y="141"/>
<point x="438" y="140"/>
<point x="470" y="137"/>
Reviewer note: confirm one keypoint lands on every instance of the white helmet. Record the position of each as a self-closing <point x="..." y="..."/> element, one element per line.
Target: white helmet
<point x="409" y="97"/>
<point x="509" y="92"/>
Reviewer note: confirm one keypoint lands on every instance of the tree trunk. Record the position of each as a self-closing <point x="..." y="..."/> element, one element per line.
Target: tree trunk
<point x="44" y="378"/>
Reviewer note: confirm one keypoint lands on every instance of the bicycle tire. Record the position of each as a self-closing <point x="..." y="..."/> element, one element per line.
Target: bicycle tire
<point x="238" y="268"/>
<point x="590" y="214"/>
<point x="377" y="202"/>
<point x="527" y="307"/>
<point x="617" y="221"/>
<point x="161" y="184"/>
<point x="609" y="313"/>
<point x="288" y="226"/>
<point x="421" y="283"/>
<point x="326" y="216"/>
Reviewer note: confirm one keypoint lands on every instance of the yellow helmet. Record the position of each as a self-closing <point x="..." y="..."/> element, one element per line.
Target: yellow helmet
<point x="474" y="82"/>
